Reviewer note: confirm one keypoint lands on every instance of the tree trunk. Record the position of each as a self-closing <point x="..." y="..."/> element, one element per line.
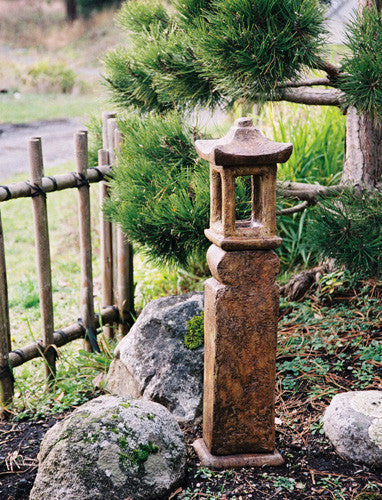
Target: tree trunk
<point x="363" y="155"/>
<point x="71" y="10"/>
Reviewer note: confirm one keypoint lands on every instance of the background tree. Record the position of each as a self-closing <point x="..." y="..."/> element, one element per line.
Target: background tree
<point x="84" y="8"/>
<point x="209" y="53"/>
<point x="71" y="10"/>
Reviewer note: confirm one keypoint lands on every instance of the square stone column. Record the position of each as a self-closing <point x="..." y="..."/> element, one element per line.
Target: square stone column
<point x="241" y="311"/>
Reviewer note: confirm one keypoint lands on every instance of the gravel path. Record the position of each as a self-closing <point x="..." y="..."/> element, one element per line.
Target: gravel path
<point x="57" y="143"/>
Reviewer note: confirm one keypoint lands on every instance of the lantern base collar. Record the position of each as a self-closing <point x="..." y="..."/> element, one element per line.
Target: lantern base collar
<point x="235" y="461"/>
<point x="231" y="243"/>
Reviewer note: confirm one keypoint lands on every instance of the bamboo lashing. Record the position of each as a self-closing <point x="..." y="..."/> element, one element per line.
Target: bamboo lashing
<point x="40" y="218"/>
<point x="72" y="332"/>
<point x="50" y="184"/>
<point x="125" y="280"/>
<point x="6" y="377"/>
<point x="106" y="247"/>
<point x="87" y="304"/>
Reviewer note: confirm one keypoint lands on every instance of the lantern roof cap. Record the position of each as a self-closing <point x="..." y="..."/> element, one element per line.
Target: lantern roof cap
<point x="244" y="145"/>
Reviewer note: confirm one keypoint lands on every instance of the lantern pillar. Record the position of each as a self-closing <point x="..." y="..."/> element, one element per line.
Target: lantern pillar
<point x="241" y="303"/>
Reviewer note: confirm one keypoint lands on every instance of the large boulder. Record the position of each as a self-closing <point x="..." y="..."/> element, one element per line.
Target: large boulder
<point x="112" y="448"/>
<point x="152" y="363"/>
<point x="353" y="423"/>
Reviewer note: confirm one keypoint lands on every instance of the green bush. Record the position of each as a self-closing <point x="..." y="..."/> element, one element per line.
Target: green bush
<point x="50" y="76"/>
<point x="349" y="230"/>
<point x="159" y="193"/>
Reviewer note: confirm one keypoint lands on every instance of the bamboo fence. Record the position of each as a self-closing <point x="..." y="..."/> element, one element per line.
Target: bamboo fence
<point x="116" y="260"/>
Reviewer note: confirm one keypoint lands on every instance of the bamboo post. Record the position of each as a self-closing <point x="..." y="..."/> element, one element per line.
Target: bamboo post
<point x="87" y="304"/>
<point x="6" y="377"/>
<point x="111" y="127"/>
<point x="105" y="117"/>
<point x="40" y="217"/>
<point x="106" y="246"/>
<point x="125" y="279"/>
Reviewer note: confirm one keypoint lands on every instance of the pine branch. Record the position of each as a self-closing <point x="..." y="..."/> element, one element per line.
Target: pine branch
<point x="305" y="83"/>
<point x="307" y="192"/>
<point x="330" y="69"/>
<point x="293" y="210"/>
<point x="306" y="95"/>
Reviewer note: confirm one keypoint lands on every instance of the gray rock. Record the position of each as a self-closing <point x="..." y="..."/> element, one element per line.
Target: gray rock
<point x="152" y="362"/>
<point x="353" y="423"/>
<point x="112" y="448"/>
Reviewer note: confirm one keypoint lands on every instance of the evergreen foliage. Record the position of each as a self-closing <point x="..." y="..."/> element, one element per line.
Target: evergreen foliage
<point x="349" y="229"/>
<point x="160" y="189"/>
<point x="159" y="70"/>
<point x="362" y="79"/>
<point x="248" y="47"/>
<point x="212" y="51"/>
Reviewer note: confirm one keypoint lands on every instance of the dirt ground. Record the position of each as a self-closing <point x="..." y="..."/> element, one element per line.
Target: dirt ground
<point x="57" y="142"/>
<point x="312" y="469"/>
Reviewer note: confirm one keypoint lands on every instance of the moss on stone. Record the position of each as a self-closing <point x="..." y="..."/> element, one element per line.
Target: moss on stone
<point x="194" y="336"/>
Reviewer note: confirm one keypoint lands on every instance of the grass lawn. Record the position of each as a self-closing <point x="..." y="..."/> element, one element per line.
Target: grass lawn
<point x="30" y="107"/>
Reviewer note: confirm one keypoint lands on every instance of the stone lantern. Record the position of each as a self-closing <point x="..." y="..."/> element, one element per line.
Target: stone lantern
<point x="241" y="302"/>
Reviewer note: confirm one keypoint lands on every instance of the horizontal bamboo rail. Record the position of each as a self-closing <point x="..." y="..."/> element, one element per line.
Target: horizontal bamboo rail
<point x="53" y="183"/>
<point x="61" y="337"/>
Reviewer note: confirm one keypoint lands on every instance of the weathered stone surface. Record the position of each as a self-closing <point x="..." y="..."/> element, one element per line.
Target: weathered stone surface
<point x="153" y="363"/>
<point x="353" y="423"/>
<point x="240" y="353"/>
<point x="111" y="448"/>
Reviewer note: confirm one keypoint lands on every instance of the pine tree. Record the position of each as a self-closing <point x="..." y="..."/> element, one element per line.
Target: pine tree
<point x="218" y="52"/>
<point x="207" y="53"/>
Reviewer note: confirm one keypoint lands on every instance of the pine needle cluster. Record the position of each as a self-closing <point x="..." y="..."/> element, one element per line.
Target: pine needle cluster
<point x="248" y="47"/>
<point x="158" y="70"/>
<point x="349" y="230"/>
<point x="160" y="190"/>
<point x="362" y="78"/>
<point x="210" y="52"/>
